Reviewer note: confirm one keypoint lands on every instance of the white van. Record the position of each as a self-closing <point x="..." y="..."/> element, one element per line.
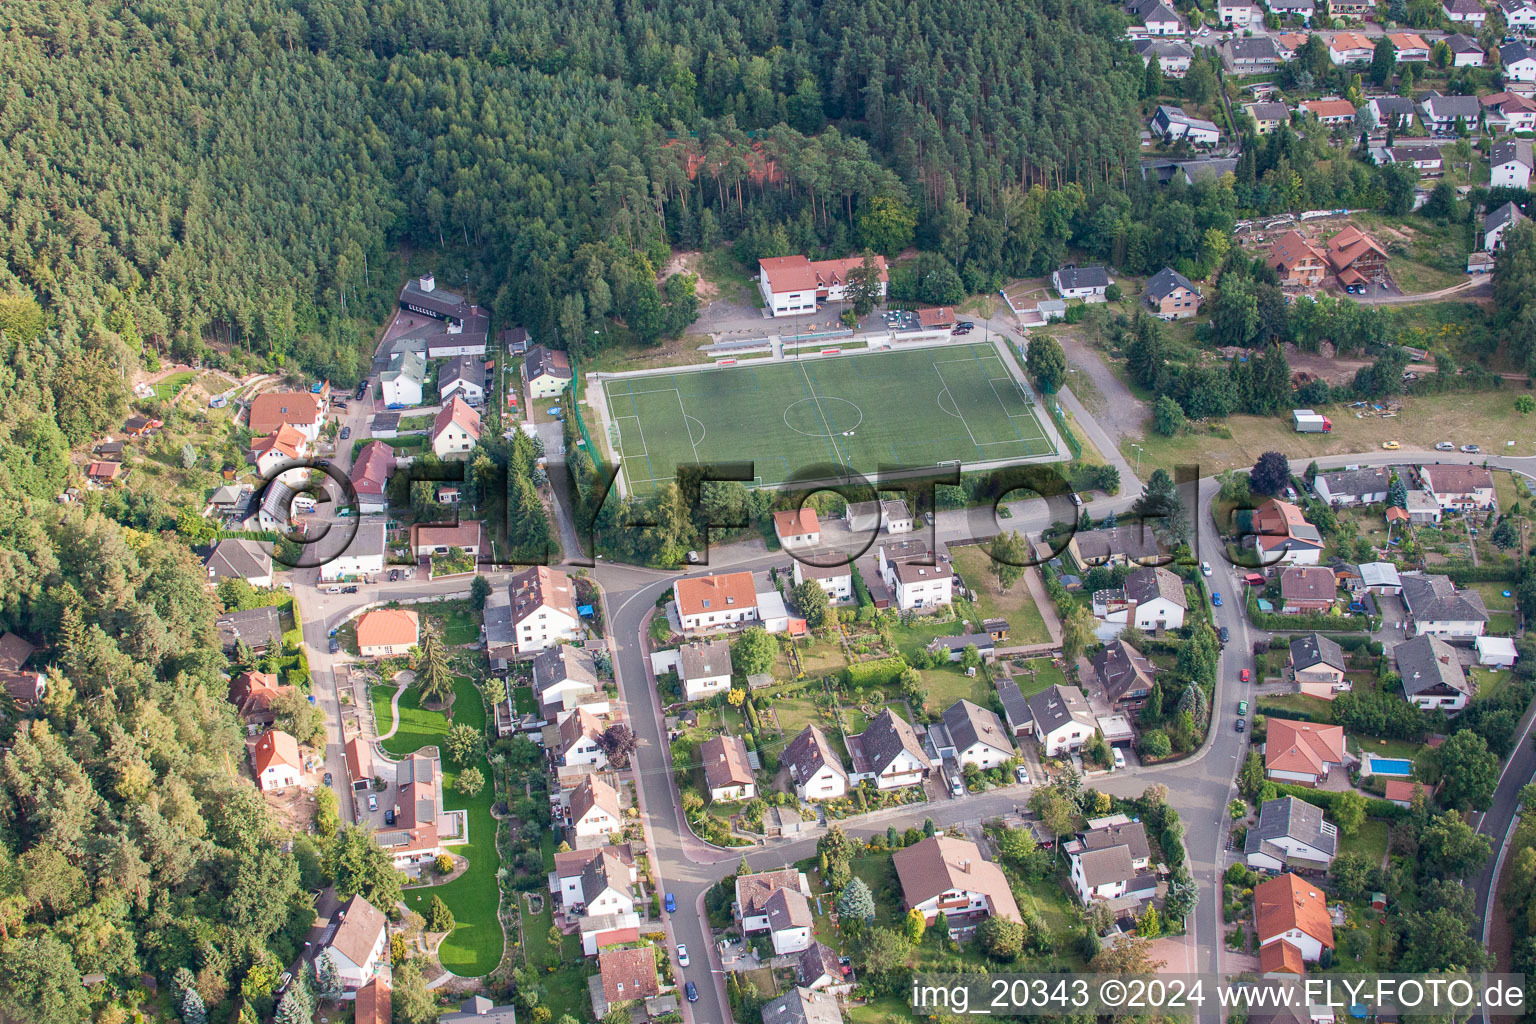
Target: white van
<point x="1119" y="757"/>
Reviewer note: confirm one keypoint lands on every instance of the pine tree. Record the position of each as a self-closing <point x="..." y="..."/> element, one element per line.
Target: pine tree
<point x="327" y="979"/>
<point x="433" y="676"/>
<point x="192" y="1009"/>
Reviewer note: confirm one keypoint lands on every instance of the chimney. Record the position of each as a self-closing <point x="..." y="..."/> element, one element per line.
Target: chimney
<point x="427" y="282"/>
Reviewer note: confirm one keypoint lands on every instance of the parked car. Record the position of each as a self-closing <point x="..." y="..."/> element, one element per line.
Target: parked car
<point x="1119" y="757"/>
<point x="327" y="779"/>
<point x="956" y="788"/>
<point x="1022" y="774"/>
<point x="682" y="955"/>
<point x="1243" y="675"/>
<point x="1391" y="446"/>
<point x="1242" y="724"/>
<point x="1223" y="634"/>
<point x="1444" y="446"/>
<point x="1205" y="568"/>
<point x="373" y="802"/>
<point x="335" y="647"/>
<point x="1470" y="449"/>
<point x="389" y="816"/>
<point x="1216" y="599"/>
<point x="692" y="992"/>
<point x="1242" y="707"/>
<point x="671" y="903"/>
<point x="1077" y="499"/>
<point x="394" y="575"/>
<point x="346" y="432"/>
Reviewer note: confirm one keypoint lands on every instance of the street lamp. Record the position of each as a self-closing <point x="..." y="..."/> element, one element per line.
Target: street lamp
<point x="1138" y="458"/>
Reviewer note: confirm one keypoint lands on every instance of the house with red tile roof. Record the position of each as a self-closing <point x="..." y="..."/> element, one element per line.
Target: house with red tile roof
<point x="284" y="445"/>
<point x="276" y="760"/>
<point x="1297" y="262"/>
<point x="1302" y="752"/>
<point x="385" y="632"/>
<point x="456" y="430"/>
<point x="797" y="527"/>
<point x="370" y="474"/>
<point x="1355" y="257"/>
<point x="794" y="285"/>
<point x="1286" y="909"/>
<point x="253" y="694"/>
<point x="1282" y="535"/>
<point x="298" y="409"/>
<point x="709" y="602"/>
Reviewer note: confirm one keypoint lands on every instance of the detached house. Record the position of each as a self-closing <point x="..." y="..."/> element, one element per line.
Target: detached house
<point x="1500" y="221"/>
<point x="1437" y="608"/>
<point x="1062" y="719"/>
<point x="547" y="372"/>
<point x="727" y="771"/>
<point x="402" y="383"/>
<point x="581" y="739"/>
<point x="1302" y="752"/>
<point x="1519" y="62"/>
<point x="370" y="475"/>
<point x="276" y="760"/>
<point x="888" y="752"/>
<point x="239" y="559"/>
<point x="1410" y="47"/>
<point x="977" y="735"/>
<point x="1267" y="116"/>
<point x="1239" y="13"/>
<point x="1465" y="52"/>
<point x="1433" y="679"/>
<point x="836" y="580"/>
<point x="776" y="902"/>
<point x="598" y="884"/>
<point x="1156" y="599"/>
<point x="1282" y="535"/>
<point x="1318" y="666"/>
<point x="300" y="410"/>
<point x="1391" y="112"/>
<point x="1252" y="56"/>
<point x="1288" y="910"/>
<point x="1296" y="261"/>
<point x="710" y="602"/>
<point x="465" y="377"/>
<point x="916" y="577"/>
<point x="814" y="766"/>
<point x="704" y="667"/>
<point x="595" y="808"/>
<point x="359" y="949"/>
<point x="1510" y="161"/>
<point x="1353" y="486"/>
<point x="563" y="676"/>
<point x="797" y="527"/>
<point x="1125" y="674"/>
<point x="1113" y="863"/>
<point x="1087" y="283"/>
<point x="1307" y="589"/>
<point x="456" y="430"/>
<point x="1466" y="12"/>
<point x="1519" y="15"/>
<point x="1171" y="124"/>
<point x="945" y="875"/>
<point x="1355" y="257"/>
<point x="795" y="285"/>
<point x="385" y="632"/>
<point x="804" y="1005"/>
<point x="1440" y="112"/>
<point x="543" y="609"/>
<point x="626" y="975"/>
<point x="1119" y="545"/>
<point x="1171" y="295"/>
<point x="253" y="695"/>
<point x="1172" y="56"/>
<point x="1291" y="834"/>
<point x="1459" y="488"/>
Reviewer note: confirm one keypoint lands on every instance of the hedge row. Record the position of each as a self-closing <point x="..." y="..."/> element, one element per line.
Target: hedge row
<point x="1323" y="798"/>
<point x="1462" y="573"/>
<point x="1305" y="623"/>
<point x="885" y="672"/>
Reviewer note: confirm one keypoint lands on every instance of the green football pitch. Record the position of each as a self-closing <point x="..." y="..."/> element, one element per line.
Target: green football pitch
<point x="921" y="407"/>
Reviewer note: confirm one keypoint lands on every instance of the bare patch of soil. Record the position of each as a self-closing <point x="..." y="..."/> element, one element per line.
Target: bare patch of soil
<point x="688" y="262"/>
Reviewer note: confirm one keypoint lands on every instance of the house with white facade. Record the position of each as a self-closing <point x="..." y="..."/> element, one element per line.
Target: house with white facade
<point x="456" y="430"/>
<point x="1282" y="535"/>
<point x="1086" y="283"/>
<point x="1302" y="752"/>
<point x="1062" y="719"/>
<point x="1172" y="124"/>
<point x="581" y="739"/>
<point x="1318" y="666"/>
<point x="713" y="602"/>
<point x="836" y="580"/>
<point x="543" y="609"/>
<point x="1291" y="833"/>
<point x="595" y="809"/>
<point x="1156" y="599"/>
<point x="1465" y="51"/>
<point x="797" y="527"/>
<point x="814" y="767"/>
<point x="401" y="384"/>
<point x="1510" y="164"/>
<point x="359" y="949"/>
<point x="1436" y="607"/>
<point x="563" y="675"/>
<point x="777" y="902"/>
<point x="363" y="556"/>
<point x="1519" y="15"/>
<point x="1433" y="679"/>
<point x="917" y="578"/>
<point x="1519" y="62"/>
<point x="795" y="285"/>
<point x="1113" y="863"/>
<point x="945" y="875"/>
<point x="1495" y="652"/>
<point x="236" y="558"/>
<point x="276" y="761"/>
<point x="704" y="667"/>
<point x="727" y="769"/>
<point x="1366" y="486"/>
<point x="1286" y="909"/>
<point x="1498" y="222"/>
<point x="888" y="752"/>
<point x="977" y="736"/>
<point x="1459" y="488"/>
<point x="463" y="376"/>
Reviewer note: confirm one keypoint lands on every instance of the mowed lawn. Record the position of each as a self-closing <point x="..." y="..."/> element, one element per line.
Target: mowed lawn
<point x="1501" y="609"/>
<point x="474" y="947"/>
<point x="922" y="407"/>
<point x="1025" y="623"/>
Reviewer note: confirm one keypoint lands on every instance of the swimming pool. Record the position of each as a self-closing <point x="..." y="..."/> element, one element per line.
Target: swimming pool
<point x="1387" y="766"/>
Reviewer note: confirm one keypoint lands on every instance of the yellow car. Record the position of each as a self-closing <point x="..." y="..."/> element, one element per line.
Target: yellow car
<point x="1390" y="446"/>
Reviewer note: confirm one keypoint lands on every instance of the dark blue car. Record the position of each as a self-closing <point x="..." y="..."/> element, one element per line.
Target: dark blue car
<point x="671" y="904"/>
<point x="692" y="992"/>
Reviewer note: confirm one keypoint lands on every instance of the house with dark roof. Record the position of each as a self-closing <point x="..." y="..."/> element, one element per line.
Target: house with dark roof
<point x="260" y="628"/>
<point x="563" y="676"/>
<point x="1118" y="545"/>
<point x="1062" y="719"/>
<point x="1365" y="486"/>
<point x="1155" y="599"/>
<point x="1251" y="55"/>
<point x="1268" y="115"/>
<point x="1171" y="124"/>
<point x="359" y="947"/>
<point x="1317" y="664"/>
<point x="546" y="371"/>
<point x="1510" y="160"/>
<point x="814" y="767"/>
<point x="594" y="807"/>
<point x="1458" y="488"/>
<point x="942" y="874"/>
<point x="1437" y="607"/>
<point x="1086" y="283"/>
<point x="1015" y="708"/>
<point x="1433" y="679"/>
<point x="888" y="752"/>
<point x="801" y="1005"/>
<point x="1113" y="863"/>
<point x="820" y="970"/>
<point x="464" y="376"/>
<point x="1499" y="221"/>
<point x="704" y="667"/>
<point x="1173" y="57"/>
<point x="1171" y="295"/>
<point x="953" y="647"/>
<point x="1125" y="675"/>
<point x="480" y="1010"/>
<point x="1440" y="112"/>
<point x="754" y="898"/>
<point x="1465" y="51"/>
<point x="1291" y="836"/>
<point x="240" y="559"/>
<point x="977" y="736"/>
<point x="422" y="295"/>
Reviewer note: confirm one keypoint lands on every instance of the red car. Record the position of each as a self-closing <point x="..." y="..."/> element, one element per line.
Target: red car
<point x="1243" y="675"/>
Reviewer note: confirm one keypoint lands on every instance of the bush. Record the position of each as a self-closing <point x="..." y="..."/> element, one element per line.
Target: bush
<point x="1156" y="743"/>
<point x="1384" y="809"/>
<point x="882" y="673"/>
